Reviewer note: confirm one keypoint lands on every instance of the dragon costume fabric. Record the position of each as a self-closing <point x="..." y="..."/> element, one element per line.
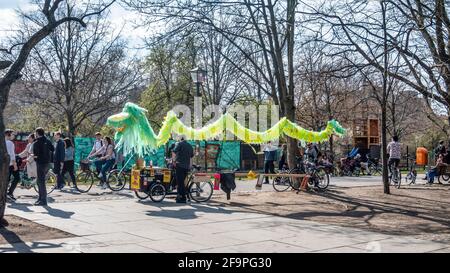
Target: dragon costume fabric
<point x="135" y="135"/>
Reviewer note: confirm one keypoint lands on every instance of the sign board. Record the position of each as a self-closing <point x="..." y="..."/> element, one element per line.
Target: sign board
<point x="166" y="176"/>
<point x="135" y="183"/>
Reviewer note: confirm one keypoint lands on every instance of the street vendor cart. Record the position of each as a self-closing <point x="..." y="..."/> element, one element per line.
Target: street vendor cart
<point x="157" y="182"/>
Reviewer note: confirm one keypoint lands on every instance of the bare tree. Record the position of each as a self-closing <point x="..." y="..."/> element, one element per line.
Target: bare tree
<point x="14" y="59"/>
<point x="84" y="71"/>
<point x="262" y="31"/>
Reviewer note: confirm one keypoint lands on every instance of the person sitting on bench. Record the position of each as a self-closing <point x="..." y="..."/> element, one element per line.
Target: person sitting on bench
<point x="433" y="172"/>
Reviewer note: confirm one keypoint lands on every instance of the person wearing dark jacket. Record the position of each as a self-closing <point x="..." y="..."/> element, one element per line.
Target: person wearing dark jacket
<point x="182" y="154"/>
<point x="42" y="149"/>
<point x="58" y="160"/>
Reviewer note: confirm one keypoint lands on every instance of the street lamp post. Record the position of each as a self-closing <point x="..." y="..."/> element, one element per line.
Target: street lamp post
<point x="198" y="76"/>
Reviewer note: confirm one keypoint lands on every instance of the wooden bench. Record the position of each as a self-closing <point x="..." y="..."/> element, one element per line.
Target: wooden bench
<point x="261" y="177"/>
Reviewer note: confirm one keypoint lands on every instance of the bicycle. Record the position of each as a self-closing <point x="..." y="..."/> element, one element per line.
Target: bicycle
<point x="157" y="189"/>
<point x="395" y="176"/>
<point x="85" y="179"/>
<point x="28" y="183"/>
<point x="281" y="184"/>
<point x="412" y="173"/>
<point x="318" y="177"/>
<point x="117" y="179"/>
<point x="374" y="166"/>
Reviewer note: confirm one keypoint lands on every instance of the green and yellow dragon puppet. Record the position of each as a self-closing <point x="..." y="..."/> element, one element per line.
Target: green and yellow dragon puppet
<point x="134" y="135"/>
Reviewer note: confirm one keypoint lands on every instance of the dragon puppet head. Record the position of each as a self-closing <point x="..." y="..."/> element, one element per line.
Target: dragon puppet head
<point x="134" y="135"/>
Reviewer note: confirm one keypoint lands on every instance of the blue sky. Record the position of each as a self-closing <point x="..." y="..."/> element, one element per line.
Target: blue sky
<point x="120" y="18"/>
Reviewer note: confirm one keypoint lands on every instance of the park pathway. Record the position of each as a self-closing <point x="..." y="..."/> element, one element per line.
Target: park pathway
<point x="127" y="225"/>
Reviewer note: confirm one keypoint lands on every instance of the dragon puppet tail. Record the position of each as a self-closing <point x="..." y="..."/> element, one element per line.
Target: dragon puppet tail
<point x="134" y="133"/>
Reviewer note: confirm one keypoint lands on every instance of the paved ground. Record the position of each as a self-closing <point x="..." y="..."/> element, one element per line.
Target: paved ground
<point x="119" y="223"/>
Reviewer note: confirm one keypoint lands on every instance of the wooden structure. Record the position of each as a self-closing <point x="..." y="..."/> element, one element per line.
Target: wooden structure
<point x="366" y="133"/>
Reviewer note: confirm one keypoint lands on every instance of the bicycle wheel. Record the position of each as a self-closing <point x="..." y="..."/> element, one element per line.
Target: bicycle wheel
<point x="50" y="183"/>
<point x="157" y="192"/>
<point x="281" y="184"/>
<point x="396" y="179"/>
<point x="295" y="182"/>
<point x="374" y="170"/>
<point x="323" y="179"/>
<point x="85" y="180"/>
<point x="116" y="180"/>
<point x="200" y="191"/>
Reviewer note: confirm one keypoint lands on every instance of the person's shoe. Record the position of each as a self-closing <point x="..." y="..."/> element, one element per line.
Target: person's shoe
<point x="3" y="223"/>
<point x="181" y="201"/>
<point x="424" y="178"/>
<point x="266" y="183"/>
<point x="103" y="186"/>
<point x="11" y="197"/>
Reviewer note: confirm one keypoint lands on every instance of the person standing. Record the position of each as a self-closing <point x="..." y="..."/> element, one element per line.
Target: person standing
<point x="440" y="150"/>
<point x="69" y="162"/>
<point x="312" y="152"/>
<point x="182" y="155"/>
<point x="13" y="168"/>
<point x="270" y="154"/>
<point x="282" y="163"/>
<point x="59" y="160"/>
<point x="98" y="149"/>
<point x="28" y="155"/>
<point x="42" y="150"/>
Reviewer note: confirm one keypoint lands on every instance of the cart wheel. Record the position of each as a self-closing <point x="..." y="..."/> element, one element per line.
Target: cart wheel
<point x="157" y="192"/>
<point x="141" y="195"/>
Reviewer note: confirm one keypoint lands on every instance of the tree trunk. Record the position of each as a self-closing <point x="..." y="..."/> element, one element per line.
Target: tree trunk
<point x="71" y="127"/>
<point x="384" y="151"/>
<point x="4" y="158"/>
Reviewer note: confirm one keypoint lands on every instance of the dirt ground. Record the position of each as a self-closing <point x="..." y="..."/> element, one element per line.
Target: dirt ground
<point x="21" y="230"/>
<point x="422" y="210"/>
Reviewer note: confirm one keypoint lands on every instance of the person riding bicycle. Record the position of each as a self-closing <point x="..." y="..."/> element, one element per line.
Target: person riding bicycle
<point x="107" y="160"/>
<point x="98" y="149"/>
<point x="359" y="161"/>
<point x="395" y="153"/>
